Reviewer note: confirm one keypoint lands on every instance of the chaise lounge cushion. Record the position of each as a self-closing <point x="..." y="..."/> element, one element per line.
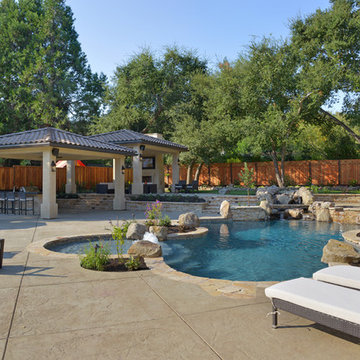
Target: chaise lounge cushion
<point x="344" y="275"/>
<point x="326" y="298"/>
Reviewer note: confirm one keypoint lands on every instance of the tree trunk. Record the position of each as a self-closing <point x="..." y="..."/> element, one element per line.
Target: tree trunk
<point x="276" y="167"/>
<point x="189" y="174"/>
<point x="198" y="171"/>
<point x="340" y="123"/>
<point x="283" y="151"/>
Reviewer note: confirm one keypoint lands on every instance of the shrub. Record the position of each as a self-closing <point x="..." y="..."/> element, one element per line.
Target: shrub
<point x="119" y="235"/>
<point x="96" y="257"/>
<point x="353" y="182"/>
<point x="167" y="198"/>
<point x="133" y="263"/>
<point x="165" y="221"/>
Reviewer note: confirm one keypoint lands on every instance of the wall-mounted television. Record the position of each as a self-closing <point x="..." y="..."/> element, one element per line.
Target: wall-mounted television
<point x="148" y="163"/>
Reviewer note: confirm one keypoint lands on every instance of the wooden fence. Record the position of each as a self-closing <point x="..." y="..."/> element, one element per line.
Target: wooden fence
<point x="321" y="172"/>
<point x="85" y="177"/>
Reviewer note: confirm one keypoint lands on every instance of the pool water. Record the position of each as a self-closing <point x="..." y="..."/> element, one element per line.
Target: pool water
<point x="79" y="246"/>
<point x="254" y="251"/>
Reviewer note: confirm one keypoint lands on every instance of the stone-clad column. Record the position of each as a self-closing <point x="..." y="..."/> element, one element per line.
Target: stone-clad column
<point x="49" y="208"/>
<point x="70" y="187"/>
<point x="175" y="171"/>
<point x="119" y="184"/>
<point x="137" y="185"/>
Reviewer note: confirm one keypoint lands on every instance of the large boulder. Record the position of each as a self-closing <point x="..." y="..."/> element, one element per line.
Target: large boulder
<point x="225" y="211"/>
<point x="266" y="206"/>
<point x="145" y="248"/>
<point x="293" y="214"/>
<point x="189" y="220"/>
<point x="161" y="232"/>
<point x="306" y="195"/>
<point x="135" y="231"/>
<point x="339" y="252"/>
<point x="283" y="199"/>
<point x="323" y="215"/>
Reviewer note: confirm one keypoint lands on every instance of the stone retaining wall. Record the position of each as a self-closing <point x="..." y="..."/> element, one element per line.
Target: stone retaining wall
<point x="345" y="215"/>
<point x="87" y="202"/>
<point x="248" y="213"/>
<point x="339" y="198"/>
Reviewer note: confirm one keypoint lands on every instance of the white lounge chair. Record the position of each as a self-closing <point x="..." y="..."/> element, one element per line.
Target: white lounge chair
<point x="343" y="275"/>
<point x="334" y="306"/>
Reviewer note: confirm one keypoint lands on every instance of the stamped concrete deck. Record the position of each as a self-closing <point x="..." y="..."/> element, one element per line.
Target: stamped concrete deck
<point x="53" y="309"/>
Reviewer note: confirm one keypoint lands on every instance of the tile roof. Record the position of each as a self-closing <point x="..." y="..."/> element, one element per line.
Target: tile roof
<point x="57" y="137"/>
<point x="124" y="137"/>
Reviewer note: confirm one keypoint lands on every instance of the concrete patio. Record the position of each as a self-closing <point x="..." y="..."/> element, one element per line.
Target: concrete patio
<point x="53" y="309"/>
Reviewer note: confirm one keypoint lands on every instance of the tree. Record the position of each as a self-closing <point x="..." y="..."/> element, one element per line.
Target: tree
<point x="328" y="43"/>
<point x="207" y="132"/>
<point x="147" y="88"/>
<point x="247" y="178"/>
<point x="45" y="78"/>
<point x="270" y="99"/>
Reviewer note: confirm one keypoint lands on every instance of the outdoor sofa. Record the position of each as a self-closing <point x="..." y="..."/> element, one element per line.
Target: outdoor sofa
<point x="335" y="306"/>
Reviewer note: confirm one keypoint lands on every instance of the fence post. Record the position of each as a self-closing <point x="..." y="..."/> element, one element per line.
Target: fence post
<point x="339" y="172"/>
<point x="310" y="175"/>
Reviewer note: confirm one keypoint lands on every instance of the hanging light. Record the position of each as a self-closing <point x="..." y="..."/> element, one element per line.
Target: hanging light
<point x="123" y="169"/>
<point x="142" y="147"/>
<point x="53" y="166"/>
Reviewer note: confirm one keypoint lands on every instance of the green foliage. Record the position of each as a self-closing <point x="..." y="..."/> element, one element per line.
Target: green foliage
<point x="44" y="75"/>
<point x="165" y="221"/>
<point x="96" y="257"/>
<point x="147" y="88"/>
<point x="153" y="213"/>
<point x="353" y="182"/>
<point x="133" y="263"/>
<point x="168" y="198"/>
<point x="247" y="176"/>
<point x="118" y="234"/>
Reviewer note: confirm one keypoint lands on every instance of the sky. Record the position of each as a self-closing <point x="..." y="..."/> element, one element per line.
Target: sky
<point x="111" y="31"/>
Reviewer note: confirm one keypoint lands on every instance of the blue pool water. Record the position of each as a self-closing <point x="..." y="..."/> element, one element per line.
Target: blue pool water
<point x="78" y="247"/>
<point x="254" y="251"/>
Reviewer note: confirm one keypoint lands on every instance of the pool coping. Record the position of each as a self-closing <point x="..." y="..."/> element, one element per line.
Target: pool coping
<point x="215" y="287"/>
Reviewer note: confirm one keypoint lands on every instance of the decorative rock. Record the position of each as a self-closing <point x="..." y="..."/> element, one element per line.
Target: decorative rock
<point x="294" y="214"/>
<point x="323" y="215"/>
<point x="135" y="231"/>
<point x="283" y="199"/>
<point x="306" y="196"/>
<point x="308" y="217"/>
<point x="189" y="220"/>
<point x="225" y="211"/>
<point x="145" y="248"/>
<point x="314" y="207"/>
<point x="160" y="232"/>
<point x="339" y="252"/>
<point x="266" y="206"/>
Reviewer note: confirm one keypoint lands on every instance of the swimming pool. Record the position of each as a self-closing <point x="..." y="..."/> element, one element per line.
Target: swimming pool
<point x="254" y="251"/>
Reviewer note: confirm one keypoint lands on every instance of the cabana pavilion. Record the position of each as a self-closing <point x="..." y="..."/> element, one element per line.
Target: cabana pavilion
<point x="148" y="165"/>
<point x="49" y="145"/>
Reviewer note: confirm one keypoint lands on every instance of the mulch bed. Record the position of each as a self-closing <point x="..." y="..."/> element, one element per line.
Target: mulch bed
<point x="115" y="265"/>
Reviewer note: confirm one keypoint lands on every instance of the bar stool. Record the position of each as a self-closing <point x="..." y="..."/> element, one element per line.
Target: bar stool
<point x="24" y="200"/>
<point x="2" y="202"/>
<point x="10" y="202"/>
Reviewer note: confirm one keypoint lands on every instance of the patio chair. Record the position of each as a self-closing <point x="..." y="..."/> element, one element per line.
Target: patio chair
<point x="334" y="306"/>
<point x="2" y="202"/>
<point x="194" y="186"/>
<point x="180" y="186"/>
<point x="343" y="275"/>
